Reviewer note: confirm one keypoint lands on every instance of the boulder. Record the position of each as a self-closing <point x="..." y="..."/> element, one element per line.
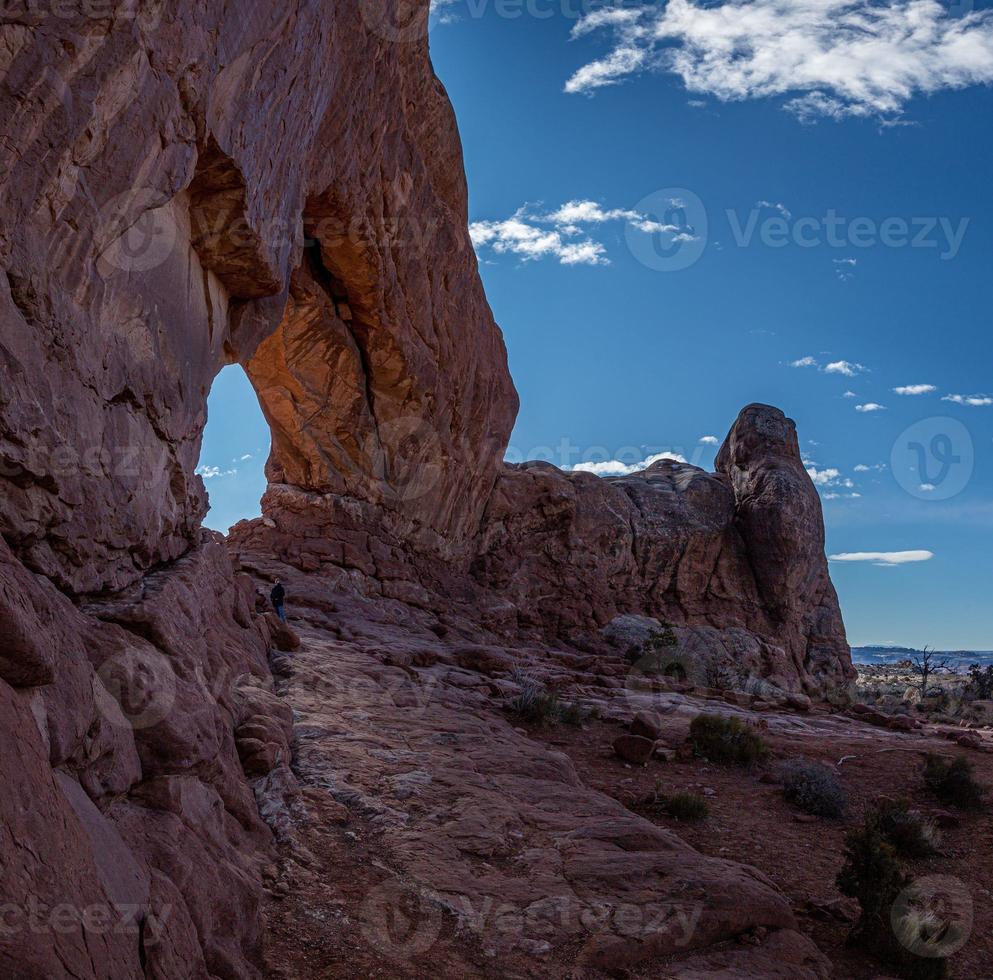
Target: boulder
<point x="284" y="637"/>
<point x="647" y="724"/>
<point x="634" y="749"/>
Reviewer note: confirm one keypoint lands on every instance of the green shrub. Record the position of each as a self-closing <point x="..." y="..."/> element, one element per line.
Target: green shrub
<point x="981" y="682"/>
<point x="873" y="876"/>
<point x="726" y="740"/>
<point x="814" y="788"/>
<point x="909" y="833"/>
<point x="952" y="782"/>
<point x="686" y="806"/>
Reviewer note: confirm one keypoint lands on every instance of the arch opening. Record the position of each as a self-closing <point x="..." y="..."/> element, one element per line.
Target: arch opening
<point x="234" y="450"/>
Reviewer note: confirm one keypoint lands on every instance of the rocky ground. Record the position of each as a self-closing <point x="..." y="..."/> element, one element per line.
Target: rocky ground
<point x="447" y="835"/>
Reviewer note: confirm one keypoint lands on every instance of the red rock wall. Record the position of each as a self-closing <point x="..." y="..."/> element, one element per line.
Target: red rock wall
<point x="175" y="177"/>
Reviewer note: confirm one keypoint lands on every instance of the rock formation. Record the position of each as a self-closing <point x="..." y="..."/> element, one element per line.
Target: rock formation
<point x="185" y="188"/>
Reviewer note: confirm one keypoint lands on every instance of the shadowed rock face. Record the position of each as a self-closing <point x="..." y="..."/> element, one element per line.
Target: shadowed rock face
<point x="186" y="187"/>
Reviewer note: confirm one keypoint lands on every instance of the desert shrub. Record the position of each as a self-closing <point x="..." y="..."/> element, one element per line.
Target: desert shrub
<point x="981" y="682"/>
<point x="653" y="655"/>
<point x="573" y="713"/>
<point x="686" y="806"/>
<point x="726" y="740"/>
<point x="679" y="806"/>
<point x="909" y="833"/>
<point x="952" y="782"/>
<point x="534" y="702"/>
<point x="874" y="877"/>
<point x="814" y="788"/>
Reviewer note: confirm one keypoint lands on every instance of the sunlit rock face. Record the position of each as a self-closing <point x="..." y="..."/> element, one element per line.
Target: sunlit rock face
<point x="188" y="185"/>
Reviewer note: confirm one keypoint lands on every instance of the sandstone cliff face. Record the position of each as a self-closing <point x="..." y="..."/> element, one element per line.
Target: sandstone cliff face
<point x="184" y="187"/>
<point x="183" y="183"/>
<point x="736" y="557"/>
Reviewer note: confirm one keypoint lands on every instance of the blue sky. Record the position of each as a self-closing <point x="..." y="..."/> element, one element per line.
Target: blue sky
<point x="675" y="218"/>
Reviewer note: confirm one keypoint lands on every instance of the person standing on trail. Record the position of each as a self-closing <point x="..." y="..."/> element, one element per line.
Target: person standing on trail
<point x="278" y="597"/>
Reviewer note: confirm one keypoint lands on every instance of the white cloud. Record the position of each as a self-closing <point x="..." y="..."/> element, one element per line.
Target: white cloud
<point x="521" y="236"/>
<point x="246" y="456"/>
<point x="802" y="362"/>
<point x="849" y="394"/>
<point x="831" y="59"/>
<point x="560" y="233"/>
<point x="210" y="472"/>
<point x="870" y="407"/>
<point x="927" y="488"/>
<point x="614" y="467"/>
<point x="847" y="368"/>
<point x="864" y="468"/>
<point x="915" y="389"/>
<point x="823" y="478"/>
<point x="710" y="440"/>
<point x="827" y="477"/>
<point x="887" y="558"/>
<point x="977" y="401"/>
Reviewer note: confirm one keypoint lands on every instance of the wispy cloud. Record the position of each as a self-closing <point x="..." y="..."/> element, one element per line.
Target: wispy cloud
<point x="847" y="368"/>
<point x="976" y="401"/>
<point x="844" y="269"/>
<point x="710" y="440"/>
<point x="886" y="558"/>
<point x="915" y="389"/>
<point x="864" y="468"/>
<point x="870" y="407"/>
<point x="775" y="206"/>
<point x="564" y="233"/>
<point x="832" y="59"/>
<point x="614" y="467"/>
